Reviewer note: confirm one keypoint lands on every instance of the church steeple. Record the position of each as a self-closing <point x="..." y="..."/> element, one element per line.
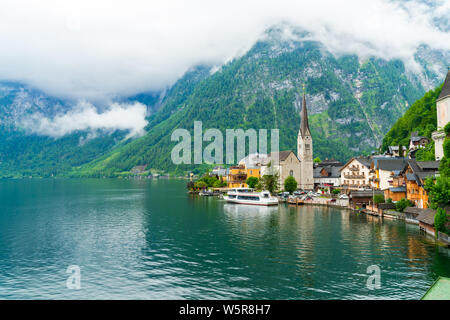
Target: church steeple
<point x="304" y="125"/>
<point x="305" y="149"/>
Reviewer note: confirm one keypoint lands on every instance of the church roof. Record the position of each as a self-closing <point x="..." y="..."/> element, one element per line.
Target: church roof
<point x="283" y="155"/>
<point x="446" y="88"/>
<point x="304" y="125"/>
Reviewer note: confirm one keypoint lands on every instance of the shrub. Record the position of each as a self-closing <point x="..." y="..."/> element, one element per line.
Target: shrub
<point x="336" y="191"/>
<point x="403" y="204"/>
<point x="440" y="219"/>
<point x="379" y="198"/>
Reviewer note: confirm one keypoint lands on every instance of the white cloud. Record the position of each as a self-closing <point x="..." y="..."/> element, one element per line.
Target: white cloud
<point x="85" y="117"/>
<point x="99" y="49"/>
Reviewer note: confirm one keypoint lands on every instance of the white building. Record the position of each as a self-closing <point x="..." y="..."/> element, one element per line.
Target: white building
<point x="443" y="117"/>
<point x="355" y="174"/>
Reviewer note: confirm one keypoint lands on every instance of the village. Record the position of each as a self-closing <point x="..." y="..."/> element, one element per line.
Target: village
<point x="389" y="185"/>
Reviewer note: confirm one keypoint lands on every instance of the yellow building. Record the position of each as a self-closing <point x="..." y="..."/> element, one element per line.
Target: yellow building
<point x="238" y="176"/>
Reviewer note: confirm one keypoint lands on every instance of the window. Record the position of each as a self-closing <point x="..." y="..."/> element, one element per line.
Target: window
<point x="291" y="173"/>
<point x="307" y="147"/>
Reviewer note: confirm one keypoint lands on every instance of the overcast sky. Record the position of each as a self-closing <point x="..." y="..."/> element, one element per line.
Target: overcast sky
<point x="98" y="49"/>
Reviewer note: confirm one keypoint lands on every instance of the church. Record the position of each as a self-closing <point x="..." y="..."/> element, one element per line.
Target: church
<point x="300" y="166"/>
<point x="286" y="163"/>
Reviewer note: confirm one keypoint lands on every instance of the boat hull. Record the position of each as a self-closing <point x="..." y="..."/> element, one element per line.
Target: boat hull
<point x="252" y="203"/>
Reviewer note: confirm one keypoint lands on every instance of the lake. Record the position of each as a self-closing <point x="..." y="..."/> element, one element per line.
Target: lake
<point x="148" y="239"/>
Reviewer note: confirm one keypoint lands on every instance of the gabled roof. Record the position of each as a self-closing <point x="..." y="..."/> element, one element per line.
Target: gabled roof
<point x="427" y="216"/>
<point x="446" y="88"/>
<point x="283" y="155"/>
<point x="397" y="189"/>
<point x="418" y="138"/>
<point x="428" y="165"/>
<point x="333" y="172"/>
<point x="365" y="161"/>
<point x="419" y="175"/>
<point x="395" y="148"/>
<point x="392" y="164"/>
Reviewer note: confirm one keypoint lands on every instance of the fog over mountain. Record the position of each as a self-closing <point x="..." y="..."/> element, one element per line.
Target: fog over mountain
<point x="102" y="50"/>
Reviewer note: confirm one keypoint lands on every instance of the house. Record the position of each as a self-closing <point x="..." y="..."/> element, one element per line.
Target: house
<point x="383" y="171"/>
<point x="361" y="199"/>
<point x="411" y="214"/>
<point x="237" y="177"/>
<point x="355" y="174"/>
<point x="327" y="175"/>
<point x="443" y="117"/>
<point x="415" y="174"/>
<point x="219" y="172"/>
<point x="138" y="169"/>
<point x="393" y="151"/>
<point x="395" y="193"/>
<point x="416" y="142"/>
<point x="426" y="221"/>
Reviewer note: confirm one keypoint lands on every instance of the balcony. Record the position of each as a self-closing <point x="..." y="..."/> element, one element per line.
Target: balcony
<point x="354" y="169"/>
<point x="354" y="176"/>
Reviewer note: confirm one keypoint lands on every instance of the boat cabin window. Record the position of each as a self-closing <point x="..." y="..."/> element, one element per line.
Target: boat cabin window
<point x="251" y="198"/>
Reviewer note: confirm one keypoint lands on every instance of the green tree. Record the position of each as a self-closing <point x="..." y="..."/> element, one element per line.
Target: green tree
<point x="403" y="204"/>
<point x="400" y="151"/>
<point x="290" y="184"/>
<point x="447" y="128"/>
<point x="252" y="182"/>
<point x="201" y="185"/>
<point x="440" y="219"/>
<point x="336" y="191"/>
<point x="317" y="160"/>
<point x="389" y="200"/>
<point x="190" y="185"/>
<point x="270" y="180"/>
<point x="377" y="199"/>
<point x="439" y="191"/>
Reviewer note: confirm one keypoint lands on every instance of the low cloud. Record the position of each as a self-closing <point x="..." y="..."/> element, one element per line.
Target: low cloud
<point x="85" y="117"/>
<point x="102" y="49"/>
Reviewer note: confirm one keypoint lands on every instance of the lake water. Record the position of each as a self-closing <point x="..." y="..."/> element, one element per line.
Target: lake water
<point x="150" y="240"/>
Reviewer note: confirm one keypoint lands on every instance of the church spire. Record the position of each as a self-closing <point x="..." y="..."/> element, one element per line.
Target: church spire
<point x="304" y="125"/>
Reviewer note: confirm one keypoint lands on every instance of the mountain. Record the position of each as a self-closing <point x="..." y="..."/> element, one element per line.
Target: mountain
<point x="421" y="117"/>
<point x="24" y="153"/>
<point x="352" y="101"/>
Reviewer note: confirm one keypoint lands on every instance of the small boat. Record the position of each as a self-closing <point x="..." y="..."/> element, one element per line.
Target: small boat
<point x="206" y="193"/>
<point x="249" y="197"/>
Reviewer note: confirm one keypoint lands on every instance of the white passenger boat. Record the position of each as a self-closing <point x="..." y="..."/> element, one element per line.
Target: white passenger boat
<point x="248" y="196"/>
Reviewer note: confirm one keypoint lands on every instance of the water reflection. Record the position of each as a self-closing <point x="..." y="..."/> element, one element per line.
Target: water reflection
<point x="149" y="239"/>
<point x="240" y="210"/>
